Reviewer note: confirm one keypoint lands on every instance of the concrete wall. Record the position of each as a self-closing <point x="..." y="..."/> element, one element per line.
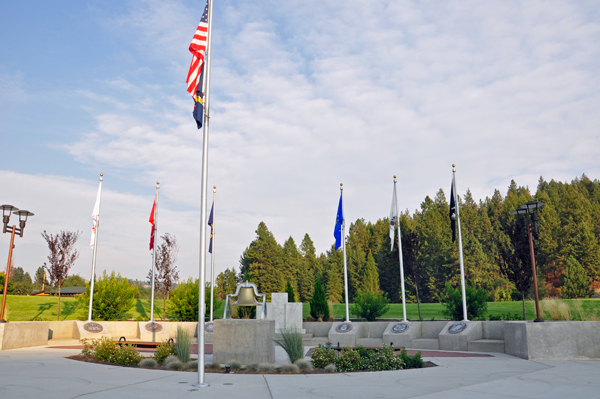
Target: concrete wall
<point x="317" y="328"/>
<point x="23" y="334"/>
<point x="553" y="340"/>
<point x="432" y="329"/>
<point x="493" y="329"/>
<point x="247" y="341"/>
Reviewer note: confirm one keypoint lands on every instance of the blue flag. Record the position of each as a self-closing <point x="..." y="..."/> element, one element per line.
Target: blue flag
<point x="210" y="223"/>
<point x="337" y="233"/>
<point x="199" y="101"/>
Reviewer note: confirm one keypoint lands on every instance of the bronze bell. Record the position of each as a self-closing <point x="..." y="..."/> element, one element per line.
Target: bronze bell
<point x="246" y="297"/>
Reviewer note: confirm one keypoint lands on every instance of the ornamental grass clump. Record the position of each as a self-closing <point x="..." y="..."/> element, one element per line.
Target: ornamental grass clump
<point x="163" y="351"/>
<point x="267" y="369"/>
<point x="304" y="365"/>
<point x="235" y="365"/>
<point x="184" y="345"/>
<point x="252" y="367"/>
<point x="330" y="368"/>
<point x="170" y="359"/>
<point x="192" y="366"/>
<point x="288" y="368"/>
<point x="213" y="366"/>
<point x="291" y="342"/>
<point x="148" y="363"/>
<point x="175" y="365"/>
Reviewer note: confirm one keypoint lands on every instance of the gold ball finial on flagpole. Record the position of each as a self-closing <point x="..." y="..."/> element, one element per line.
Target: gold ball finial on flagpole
<point x="101" y="174"/>
<point x="394" y="176"/>
<point x="214" y="189"/>
<point x="453" y="165"/>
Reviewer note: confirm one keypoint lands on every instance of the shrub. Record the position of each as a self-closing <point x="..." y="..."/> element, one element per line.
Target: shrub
<point x="246" y="312"/>
<point x="104" y="349"/>
<point x="184" y="300"/>
<point x="476" y="302"/>
<point x="291" y="342"/>
<point x="288" y="368"/>
<point x="304" y="365"/>
<point x="381" y="359"/>
<point x="163" y="351"/>
<point x="175" y="365"/>
<point x="506" y="317"/>
<point x="148" y="363"/>
<point x="193" y="365"/>
<point x="127" y="355"/>
<point x="322" y="356"/>
<point x="349" y="360"/>
<point x="370" y="306"/>
<point x="330" y="368"/>
<point x="235" y="365"/>
<point x="184" y="345"/>
<point x="411" y="362"/>
<point x="170" y="359"/>
<point x="319" y="309"/>
<point x="290" y="292"/>
<point x="113" y="297"/>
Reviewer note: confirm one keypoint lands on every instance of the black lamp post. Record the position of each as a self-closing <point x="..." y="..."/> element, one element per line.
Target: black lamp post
<point x="528" y="209"/>
<point x="23" y="215"/>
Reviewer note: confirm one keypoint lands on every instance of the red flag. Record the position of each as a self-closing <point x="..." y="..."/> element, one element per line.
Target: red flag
<point x="152" y="220"/>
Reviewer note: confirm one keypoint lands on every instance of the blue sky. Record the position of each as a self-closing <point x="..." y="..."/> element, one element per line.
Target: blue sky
<point x="305" y="95"/>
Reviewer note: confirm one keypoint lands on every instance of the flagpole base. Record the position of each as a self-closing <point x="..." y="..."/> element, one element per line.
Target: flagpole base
<point x="201" y="385"/>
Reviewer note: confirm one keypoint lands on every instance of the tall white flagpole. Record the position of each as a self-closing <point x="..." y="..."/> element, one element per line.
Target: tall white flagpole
<point x="201" y="304"/>
<point x="155" y="242"/>
<point x="344" y="252"/>
<point x="460" y="248"/>
<point x="212" y="257"/>
<point x="397" y="215"/>
<point x="95" y="227"/>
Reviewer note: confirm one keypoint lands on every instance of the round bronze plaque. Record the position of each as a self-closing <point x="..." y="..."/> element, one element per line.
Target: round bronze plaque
<point x="399" y="328"/>
<point x="344" y="327"/>
<point x="457" y="327"/>
<point x="153" y="327"/>
<point x="92" y="327"/>
<point x="209" y="327"/>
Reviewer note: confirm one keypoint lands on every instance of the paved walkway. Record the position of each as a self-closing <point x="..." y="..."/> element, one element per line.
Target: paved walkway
<point x="45" y="373"/>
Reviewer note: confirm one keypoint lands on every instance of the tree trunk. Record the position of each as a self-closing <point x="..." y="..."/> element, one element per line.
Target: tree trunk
<point x="58" y="311"/>
<point x="523" y="296"/>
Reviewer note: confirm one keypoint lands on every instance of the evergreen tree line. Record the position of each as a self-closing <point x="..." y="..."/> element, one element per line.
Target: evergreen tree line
<point x="495" y="248"/>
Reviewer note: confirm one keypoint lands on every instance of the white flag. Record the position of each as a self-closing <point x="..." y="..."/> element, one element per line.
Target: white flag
<point x="393" y="217"/>
<point x="96" y="216"/>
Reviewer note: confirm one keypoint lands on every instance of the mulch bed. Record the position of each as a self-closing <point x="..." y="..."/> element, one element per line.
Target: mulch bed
<point x="89" y="359"/>
<point x="413" y="352"/>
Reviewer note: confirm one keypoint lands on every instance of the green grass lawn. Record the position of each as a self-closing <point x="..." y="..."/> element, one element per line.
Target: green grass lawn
<point x="25" y="308"/>
<point x="431" y="311"/>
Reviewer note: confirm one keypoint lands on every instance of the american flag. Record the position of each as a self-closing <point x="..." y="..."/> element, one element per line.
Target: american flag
<point x="198" y="48"/>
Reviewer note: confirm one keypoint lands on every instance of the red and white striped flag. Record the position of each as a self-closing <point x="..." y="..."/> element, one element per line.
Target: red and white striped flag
<point x="198" y="49"/>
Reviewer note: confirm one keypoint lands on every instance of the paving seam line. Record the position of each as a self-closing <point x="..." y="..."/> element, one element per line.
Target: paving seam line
<point x="268" y="387"/>
<point x="121" y="386"/>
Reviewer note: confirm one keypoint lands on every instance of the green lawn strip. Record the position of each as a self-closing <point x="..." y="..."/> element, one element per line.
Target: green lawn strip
<point x="24" y="308"/>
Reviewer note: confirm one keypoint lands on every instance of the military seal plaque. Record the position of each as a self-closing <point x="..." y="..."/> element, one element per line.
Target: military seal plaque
<point x="154" y="327"/>
<point x="399" y="328"/>
<point x="209" y="327"/>
<point x="343" y="328"/>
<point x="457" y="327"/>
<point x="93" y="328"/>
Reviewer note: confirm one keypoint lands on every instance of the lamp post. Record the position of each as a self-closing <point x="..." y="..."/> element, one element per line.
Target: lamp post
<point x="531" y="208"/>
<point x="23" y="215"/>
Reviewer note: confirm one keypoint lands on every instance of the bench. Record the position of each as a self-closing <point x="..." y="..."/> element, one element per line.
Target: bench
<point x="142" y="344"/>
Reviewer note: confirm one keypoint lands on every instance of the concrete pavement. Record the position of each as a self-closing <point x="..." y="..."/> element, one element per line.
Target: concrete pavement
<point x="45" y="373"/>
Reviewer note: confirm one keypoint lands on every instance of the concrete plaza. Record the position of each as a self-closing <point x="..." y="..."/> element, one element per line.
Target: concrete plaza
<point x="42" y="372"/>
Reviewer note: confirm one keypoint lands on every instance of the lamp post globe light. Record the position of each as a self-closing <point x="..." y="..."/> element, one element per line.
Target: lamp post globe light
<point x="529" y="211"/>
<point x="23" y="215"/>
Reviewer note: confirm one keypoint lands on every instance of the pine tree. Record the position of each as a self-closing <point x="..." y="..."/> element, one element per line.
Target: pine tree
<point x="264" y="262"/>
<point x="575" y="280"/>
<point x="335" y="276"/>
<point x="225" y="283"/>
<point x="307" y="269"/>
<point x="291" y="263"/>
<point x="370" y="282"/>
<point x="290" y="292"/>
<point x="319" y="309"/>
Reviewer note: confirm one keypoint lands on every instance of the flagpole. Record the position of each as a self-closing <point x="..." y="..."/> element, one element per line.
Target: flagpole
<point x="94" y="253"/>
<point x="212" y="258"/>
<point x="202" y="288"/>
<point x="460" y="248"/>
<point x="154" y="252"/>
<point x="344" y="252"/>
<point x="400" y="254"/>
